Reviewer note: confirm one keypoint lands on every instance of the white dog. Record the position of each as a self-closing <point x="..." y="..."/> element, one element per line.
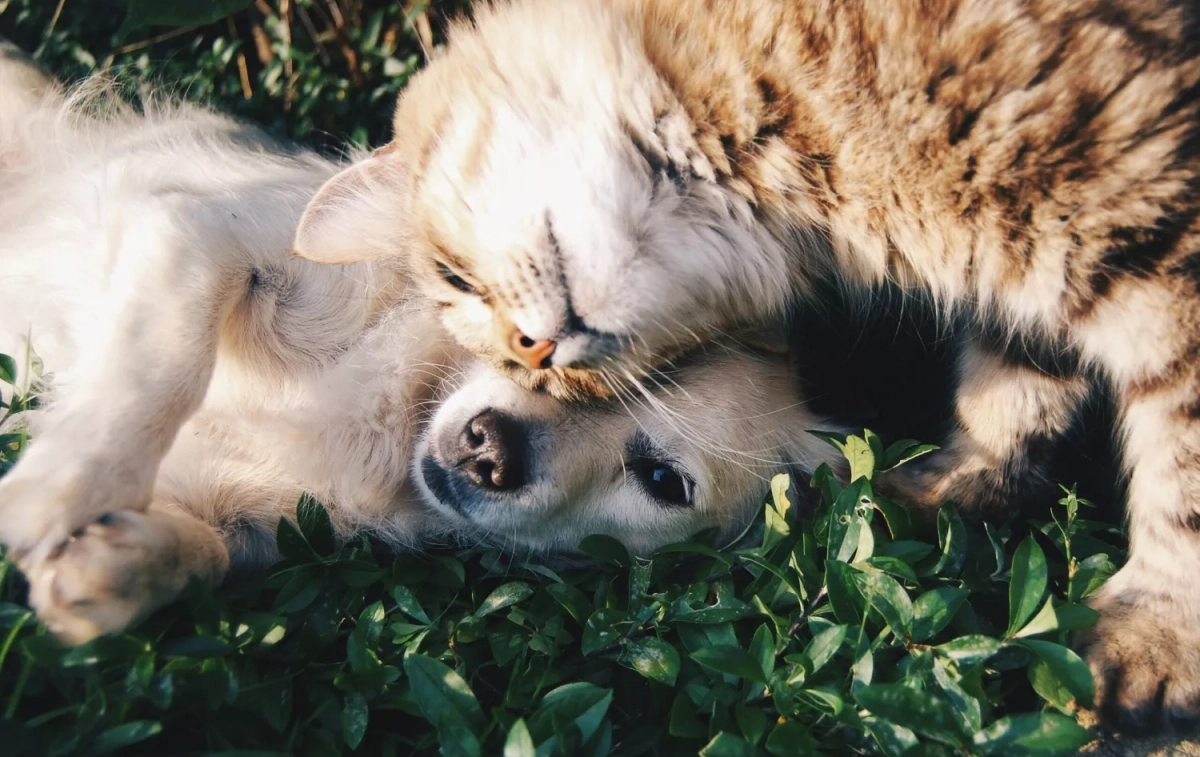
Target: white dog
<point x="200" y="378"/>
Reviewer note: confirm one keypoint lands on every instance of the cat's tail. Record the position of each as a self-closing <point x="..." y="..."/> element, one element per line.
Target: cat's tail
<point x="27" y="95"/>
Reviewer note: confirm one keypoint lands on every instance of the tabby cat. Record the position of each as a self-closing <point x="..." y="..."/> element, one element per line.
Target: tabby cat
<point x="596" y="184"/>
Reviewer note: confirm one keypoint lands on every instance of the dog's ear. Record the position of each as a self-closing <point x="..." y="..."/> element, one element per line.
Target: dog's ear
<point x="358" y="215"/>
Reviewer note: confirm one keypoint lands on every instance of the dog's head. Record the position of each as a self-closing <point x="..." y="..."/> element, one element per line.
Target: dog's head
<point x="526" y="471"/>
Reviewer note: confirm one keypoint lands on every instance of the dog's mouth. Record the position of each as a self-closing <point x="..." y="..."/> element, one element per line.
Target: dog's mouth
<point x="439" y="489"/>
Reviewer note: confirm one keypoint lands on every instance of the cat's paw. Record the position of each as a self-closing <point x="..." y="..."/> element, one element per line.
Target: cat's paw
<point x="108" y="576"/>
<point x="981" y="487"/>
<point x="1145" y="657"/>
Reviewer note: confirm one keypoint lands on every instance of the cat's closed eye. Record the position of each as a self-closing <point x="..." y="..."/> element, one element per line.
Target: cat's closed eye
<point x="453" y="279"/>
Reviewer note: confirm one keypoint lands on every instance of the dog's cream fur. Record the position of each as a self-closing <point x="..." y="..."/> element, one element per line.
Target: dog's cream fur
<point x="200" y="378"/>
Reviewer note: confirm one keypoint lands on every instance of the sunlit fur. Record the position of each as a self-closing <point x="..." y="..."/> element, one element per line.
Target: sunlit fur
<point x="199" y="378"/>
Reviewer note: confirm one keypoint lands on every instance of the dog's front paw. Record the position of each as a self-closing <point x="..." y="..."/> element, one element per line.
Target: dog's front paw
<point x="1144" y="653"/>
<point x="54" y="492"/>
<point x="109" y="575"/>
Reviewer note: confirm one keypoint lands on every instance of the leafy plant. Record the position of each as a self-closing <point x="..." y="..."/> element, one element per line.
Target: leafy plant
<point x="840" y="633"/>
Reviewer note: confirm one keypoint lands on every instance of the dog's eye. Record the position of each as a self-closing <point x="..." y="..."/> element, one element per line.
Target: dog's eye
<point x="663" y="482"/>
<point x="454" y="280"/>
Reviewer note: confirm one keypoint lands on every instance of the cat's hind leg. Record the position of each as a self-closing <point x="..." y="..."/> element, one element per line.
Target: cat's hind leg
<point x="1009" y="410"/>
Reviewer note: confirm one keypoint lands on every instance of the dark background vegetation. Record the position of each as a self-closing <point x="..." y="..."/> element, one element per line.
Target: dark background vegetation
<point x="322" y="71"/>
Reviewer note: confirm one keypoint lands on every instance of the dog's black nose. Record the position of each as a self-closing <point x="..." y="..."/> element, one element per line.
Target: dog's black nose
<point x="491" y="452"/>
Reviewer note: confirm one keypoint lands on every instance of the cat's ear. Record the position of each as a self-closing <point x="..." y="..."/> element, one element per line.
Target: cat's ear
<point x="358" y="215"/>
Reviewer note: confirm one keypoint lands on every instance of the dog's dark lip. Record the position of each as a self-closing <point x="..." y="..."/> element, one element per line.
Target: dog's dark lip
<point x="437" y="480"/>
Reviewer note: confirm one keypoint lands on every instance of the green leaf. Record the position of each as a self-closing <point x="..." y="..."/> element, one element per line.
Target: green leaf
<point x="291" y="543"/>
<point x="751" y="721"/>
<point x="456" y="741"/>
<point x="1067" y="666"/>
<point x="682" y="722"/>
<point x="762" y="648"/>
<point x="952" y="538"/>
<point x="1027" y="586"/>
<point x="1045" y="620"/>
<point x="969" y="709"/>
<point x="354" y="719"/>
<point x="1090" y="575"/>
<point x="969" y="649"/>
<point x="197" y="646"/>
<point x="126" y="734"/>
<point x="364" y="640"/>
<point x="862" y="458"/>
<point x="726" y="744"/>
<point x="442" y="694"/>
<point x="933" y="611"/>
<point x="506" y="595"/>
<point x="580" y="704"/>
<point x="1075" y="617"/>
<point x="313" y="520"/>
<point x="732" y="660"/>
<point x="898" y="521"/>
<point x="919" y="711"/>
<point x="140" y="14"/>
<point x="574" y="601"/>
<point x="519" y="743"/>
<point x="841" y="584"/>
<point x="777" y="528"/>
<point x="408" y="604"/>
<point x="600" y="630"/>
<point x="903" y="451"/>
<point x="1035" y="734"/>
<point x="890" y="599"/>
<point x="779" y="499"/>
<point x="8" y="370"/>
<point x="824" y="645"/>
<point x="790" y="739"/>
<point x="605" y="549"/>
<point x="1047" y="684"/>
<point x="844" y="520"/>
<point x="653" y="658"/>
<point x="893" y="739"/>
<point x="298" y="593"/>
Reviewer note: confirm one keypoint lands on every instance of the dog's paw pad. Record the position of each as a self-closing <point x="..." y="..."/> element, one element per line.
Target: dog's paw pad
<point x="102" y="578"/>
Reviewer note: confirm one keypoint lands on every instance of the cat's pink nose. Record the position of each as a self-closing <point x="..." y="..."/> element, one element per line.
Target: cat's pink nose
<point x="534" y="354"/>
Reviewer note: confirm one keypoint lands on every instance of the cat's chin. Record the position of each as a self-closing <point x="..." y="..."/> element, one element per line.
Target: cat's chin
<point x="567" y="384"/>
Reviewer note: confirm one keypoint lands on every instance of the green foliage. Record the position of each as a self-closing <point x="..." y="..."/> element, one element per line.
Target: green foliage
<point x="835" y="634"/>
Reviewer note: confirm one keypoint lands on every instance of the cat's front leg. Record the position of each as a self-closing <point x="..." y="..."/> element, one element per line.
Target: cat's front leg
<point x="143" y="369"/>
<point x="1008" y="411"/>
<point x="1145" y="649"/>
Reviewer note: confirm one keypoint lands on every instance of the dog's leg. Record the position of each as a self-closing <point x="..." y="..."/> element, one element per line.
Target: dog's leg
<point x="1007" y="412"/>
<point x="122" y="567"/>
<point x="144" y="369"/>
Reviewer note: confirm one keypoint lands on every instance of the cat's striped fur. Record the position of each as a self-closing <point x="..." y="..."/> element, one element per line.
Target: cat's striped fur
<point x="697" y="162"/>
